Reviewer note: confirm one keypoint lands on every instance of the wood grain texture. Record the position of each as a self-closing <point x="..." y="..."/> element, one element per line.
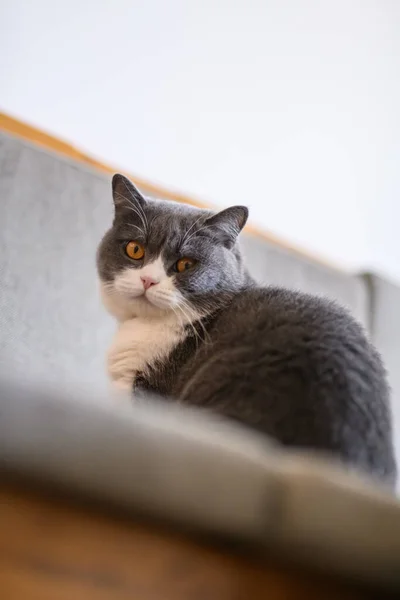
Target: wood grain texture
<point x="54" y="550"/>
<point x="27" y="132"/>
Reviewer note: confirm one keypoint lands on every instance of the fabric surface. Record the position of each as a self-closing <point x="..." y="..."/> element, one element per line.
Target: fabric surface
<point x="194" y="469"/>
<point x="53" y="213"/>
<point x="272" y="265"/>
<point x="385" y="331"/>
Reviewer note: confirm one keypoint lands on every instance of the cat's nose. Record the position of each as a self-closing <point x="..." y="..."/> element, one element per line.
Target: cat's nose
<point x="148" y="282"/>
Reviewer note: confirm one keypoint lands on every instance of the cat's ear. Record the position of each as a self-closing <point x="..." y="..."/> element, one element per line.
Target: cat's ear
<point x="125" y="194"/>
<point x="227" y="224"/>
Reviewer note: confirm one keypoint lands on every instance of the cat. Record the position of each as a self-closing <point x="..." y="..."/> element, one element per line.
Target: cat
<point x="195" y="328"/>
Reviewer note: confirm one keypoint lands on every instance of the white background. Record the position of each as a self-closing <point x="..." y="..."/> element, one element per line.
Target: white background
<point x="292" y="107"/>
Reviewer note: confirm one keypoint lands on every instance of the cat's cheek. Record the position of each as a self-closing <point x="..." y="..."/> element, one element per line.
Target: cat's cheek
<point x="114" y="303"/>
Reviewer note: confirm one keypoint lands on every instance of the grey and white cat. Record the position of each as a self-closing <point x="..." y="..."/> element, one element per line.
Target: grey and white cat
<point x="194" y="327"/>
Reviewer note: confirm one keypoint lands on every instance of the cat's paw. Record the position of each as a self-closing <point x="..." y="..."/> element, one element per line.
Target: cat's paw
<point x="122" y="357"/>
<point x="120" y="369"/>
<point x="123" y="386"/>
<point x="121" y="393"/>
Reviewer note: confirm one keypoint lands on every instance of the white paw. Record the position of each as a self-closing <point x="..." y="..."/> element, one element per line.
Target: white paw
<point x="121" y="393"/>
<point x="122" y="359"/>
<point x="122" y="385"/>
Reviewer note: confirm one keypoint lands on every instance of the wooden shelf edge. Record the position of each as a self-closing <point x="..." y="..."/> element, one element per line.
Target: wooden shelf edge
<point x="51" y="547"/>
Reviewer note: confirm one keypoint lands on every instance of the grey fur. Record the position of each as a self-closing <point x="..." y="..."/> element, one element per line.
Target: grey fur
<point x="293" y="366"/>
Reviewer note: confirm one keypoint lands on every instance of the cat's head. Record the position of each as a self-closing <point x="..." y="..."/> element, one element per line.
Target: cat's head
<point x="163" y="256"/>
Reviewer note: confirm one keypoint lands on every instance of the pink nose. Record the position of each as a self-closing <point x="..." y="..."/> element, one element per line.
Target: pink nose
<point x="147" y="282"/>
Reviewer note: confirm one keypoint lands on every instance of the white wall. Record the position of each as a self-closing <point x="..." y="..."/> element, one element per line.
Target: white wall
<point x="289" y="106"/>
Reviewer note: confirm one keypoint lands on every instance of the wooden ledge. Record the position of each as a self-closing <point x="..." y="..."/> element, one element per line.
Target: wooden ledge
<point x="52" y="549"/>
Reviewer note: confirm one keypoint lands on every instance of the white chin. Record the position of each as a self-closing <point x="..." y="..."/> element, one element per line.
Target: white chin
<point x="159" y="302"/>
<point x="125" y="306"/>
<point x="143" y="306"/>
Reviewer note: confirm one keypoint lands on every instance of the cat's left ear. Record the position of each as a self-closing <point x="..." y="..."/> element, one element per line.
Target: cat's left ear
<point x="125" y="194"/>
<point x="227" y="224"/>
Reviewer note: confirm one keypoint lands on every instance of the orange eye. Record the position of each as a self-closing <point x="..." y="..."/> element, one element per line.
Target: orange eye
<point x="134" y="250"/>
<point x="184" y="264"/>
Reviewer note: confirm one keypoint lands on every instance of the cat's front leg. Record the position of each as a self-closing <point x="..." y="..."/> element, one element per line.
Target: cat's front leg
<point x="123" y="359"/>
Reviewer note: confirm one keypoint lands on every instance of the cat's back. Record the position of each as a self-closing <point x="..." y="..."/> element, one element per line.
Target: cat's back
<point x="302" y="339"/>
<point x="300" y="369"/>
<point x="305" y="340"/>
<point x="288" y="317"/>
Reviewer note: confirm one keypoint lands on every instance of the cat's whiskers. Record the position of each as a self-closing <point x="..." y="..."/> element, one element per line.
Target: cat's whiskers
<point x="205" y="308"/>
<point x="190" y="315"/>
<point x="134" y="209"/>
<point x="139" y="208"/>
<point x="190" y="228"/>
<point x="206" y="338"/>
<point x="190" y="324"/>
<point x="109" y="287"/>
<point x="164" y="295"/>
<point x="188" y="320"/>
<point x="136" y="227"/>
<point x="197" y="231"/>
<point x="181" y="324"/>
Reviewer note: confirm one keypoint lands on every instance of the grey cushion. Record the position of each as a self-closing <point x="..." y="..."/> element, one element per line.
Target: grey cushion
<point x="385" y="331"/>
<point x="52" y="214"/>
<point x="274" y="265"/>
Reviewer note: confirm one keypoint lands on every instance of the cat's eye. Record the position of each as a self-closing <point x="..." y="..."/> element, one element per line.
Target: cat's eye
<point x="184" y="264"/>
<point x="134" y="250"/>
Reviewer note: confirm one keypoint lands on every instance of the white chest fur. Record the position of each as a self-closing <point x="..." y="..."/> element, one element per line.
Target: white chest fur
<point x="138" y="344"/>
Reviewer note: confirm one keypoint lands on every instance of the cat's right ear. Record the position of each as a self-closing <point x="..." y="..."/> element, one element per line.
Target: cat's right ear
<point x="125" y="194"/>
<point x="226" y="225"/>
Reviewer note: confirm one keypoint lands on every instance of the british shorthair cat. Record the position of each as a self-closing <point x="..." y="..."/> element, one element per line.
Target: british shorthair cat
<point x="195" y="328"/>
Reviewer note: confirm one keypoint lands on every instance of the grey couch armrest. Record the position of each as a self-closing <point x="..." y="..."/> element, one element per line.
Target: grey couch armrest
<point x="191" y="469"/>
<point x="385" y="332"/>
